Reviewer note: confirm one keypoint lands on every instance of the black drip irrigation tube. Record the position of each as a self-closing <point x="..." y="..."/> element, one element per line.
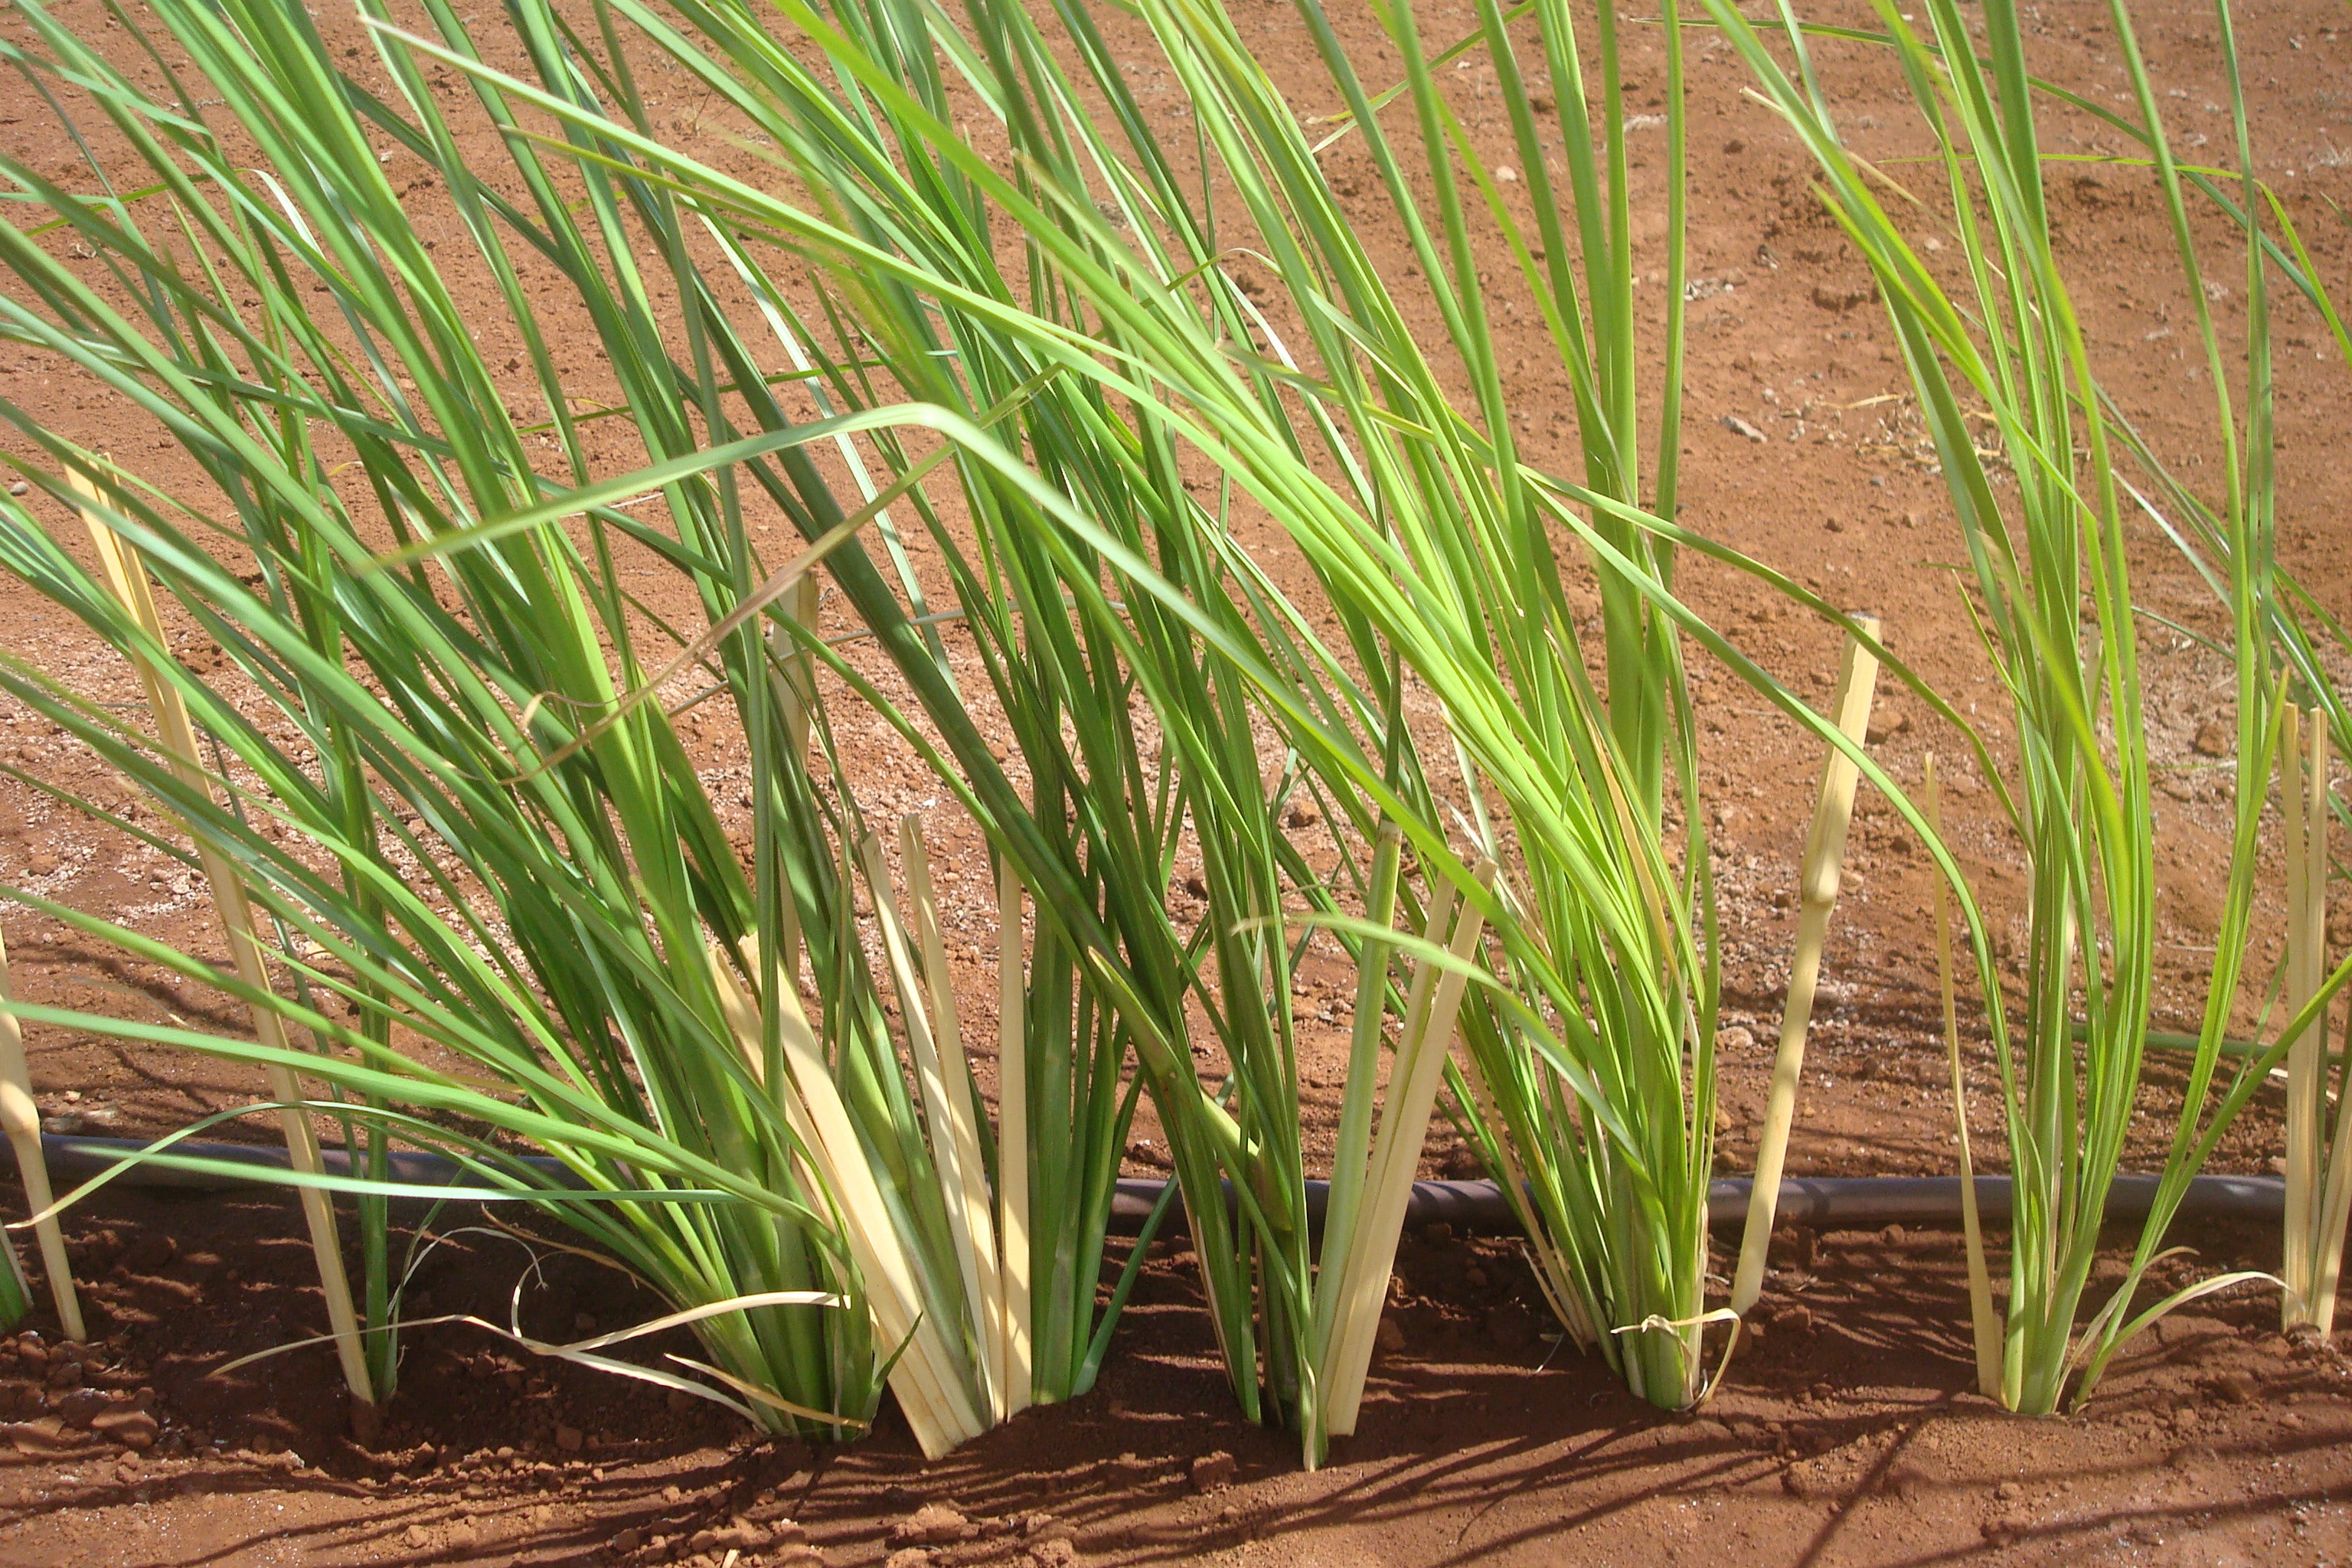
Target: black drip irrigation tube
<point x="1824" y="1203"/>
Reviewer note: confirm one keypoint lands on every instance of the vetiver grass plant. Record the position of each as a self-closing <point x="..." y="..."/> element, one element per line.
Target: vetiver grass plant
<point x="1076" y="1019"/>
<point x="497" y="880"/>
<point x="2229" y="541"/>
<point x="2043" y="512"/>
<point x="1350" y="752"/>
<point x="543" y="738"/>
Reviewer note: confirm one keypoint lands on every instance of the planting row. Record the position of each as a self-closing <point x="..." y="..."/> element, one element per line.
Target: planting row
<point x="1153" y="530"/>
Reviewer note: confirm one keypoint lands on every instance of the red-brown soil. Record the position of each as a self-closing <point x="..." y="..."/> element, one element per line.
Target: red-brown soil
<point x="1848" y="1436"/>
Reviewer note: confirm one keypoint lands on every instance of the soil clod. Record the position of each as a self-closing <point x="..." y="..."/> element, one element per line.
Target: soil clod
<point x="1212" y="1472"/>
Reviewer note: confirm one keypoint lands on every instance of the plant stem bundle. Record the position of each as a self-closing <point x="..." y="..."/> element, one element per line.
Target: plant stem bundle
<point x="1984" y="1319"/>
<point x="1366" y="1245"/>
<point x="2319" y="1155"/>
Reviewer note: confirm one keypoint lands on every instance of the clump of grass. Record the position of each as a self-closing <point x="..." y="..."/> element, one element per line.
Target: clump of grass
<point x="491" y="875"/>
<point x="2042" y="513"/>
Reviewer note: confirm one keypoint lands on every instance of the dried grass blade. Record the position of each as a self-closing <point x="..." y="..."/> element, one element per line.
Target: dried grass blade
<point x="127" y="575"/>
<point x="1824" y="855"/>
<point x="983" y="1276"/>
<point x="2327" y="1253"/>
